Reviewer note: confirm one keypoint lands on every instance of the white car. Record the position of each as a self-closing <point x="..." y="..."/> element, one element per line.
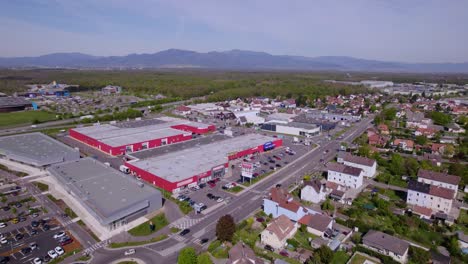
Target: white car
<point x="129" y="252"/>
<point x="52" y="254"/>
<point x="59" y="235"/>
<point x="3" y="240"/>
<point x="37" y="261"/>
<point x="59" y="251"/>
<point x="220" y="200"/>
<point x="2" y="225"/>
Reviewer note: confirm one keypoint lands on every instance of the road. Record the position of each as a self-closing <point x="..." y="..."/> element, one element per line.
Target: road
<point x="240" y="208"/>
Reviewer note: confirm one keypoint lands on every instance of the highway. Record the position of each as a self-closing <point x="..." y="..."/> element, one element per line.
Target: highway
<point x="241" y="207"/>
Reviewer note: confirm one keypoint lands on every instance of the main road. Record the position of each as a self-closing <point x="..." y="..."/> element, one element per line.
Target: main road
<point x="240" y="207"/>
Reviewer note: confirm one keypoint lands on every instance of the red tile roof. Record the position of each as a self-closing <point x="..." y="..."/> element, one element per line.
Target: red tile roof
<point x="281" y="227"/>
<point x="183" y="108"/>
<point x="422" y="210"/>
<point x="284" y="199"/>
<point x="441" y="192"/>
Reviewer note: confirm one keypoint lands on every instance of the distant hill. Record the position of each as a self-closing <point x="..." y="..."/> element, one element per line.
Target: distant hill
<point x="233" y="59"/>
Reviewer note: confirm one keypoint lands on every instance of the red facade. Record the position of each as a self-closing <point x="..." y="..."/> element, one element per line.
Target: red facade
<point x="171" y="186"/>
<point x="195" y="130"/>
<point x="120" y="150"/>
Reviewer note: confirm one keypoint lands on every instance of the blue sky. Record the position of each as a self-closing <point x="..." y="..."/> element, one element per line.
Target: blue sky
<point x="395" y="30"/>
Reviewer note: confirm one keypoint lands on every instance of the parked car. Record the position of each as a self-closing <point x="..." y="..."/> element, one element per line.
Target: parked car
<point x="46" y="227"/>
<point x="19" y="236"/>
<point x="3" y="240"/>
<point x="2" y="225"/>
<point x="33" y="232"/>
<point x="284" y="253"/>
<point x="278" y="165"/>
<point x="129" y="252"/>
<point x="46" y="258"/>
<point x="18" y="205"/>
<point x="202" y="185"/>
<point x="37" y="261"/>
<point x="268" y="247"/>
<point x="4" y="259"/>
<point x="52" y="254"/>
<point x="181" y="197"/>
<point x="204" y="240"/>
<point x="66" y="242"/>
<point x="59" y="251"/>
<point x="219" y="200"/>
<point x="26" y="250"/>
<point x="210" y="196"/>
<point x="60" y="234"/>
<point x="211" y="184"/>
<point x="34" y="215"/>
<point x="33" y="245"/>
<point x="22" y="219"/>
<point x="184" y="232"/>
<point x="260" y="219"/>
<point x="6" y="208"/>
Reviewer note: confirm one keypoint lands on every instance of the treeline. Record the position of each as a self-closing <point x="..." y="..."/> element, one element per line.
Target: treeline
<point x="186" y="84"/>
<point x="122" y="115"/>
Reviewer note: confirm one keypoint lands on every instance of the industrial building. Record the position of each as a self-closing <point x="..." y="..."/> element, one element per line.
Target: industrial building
<point x="189" y="167"/>
<point x="36" y="149"/>
<point x="293" y="128"/>
<point x="12" y="104"/>
<point x="120" y="138"/>
<point x="111" y="197"/>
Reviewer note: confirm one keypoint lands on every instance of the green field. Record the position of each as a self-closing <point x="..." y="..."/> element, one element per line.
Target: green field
<point x="24" y="118"/>
<point x="159" y="222"/>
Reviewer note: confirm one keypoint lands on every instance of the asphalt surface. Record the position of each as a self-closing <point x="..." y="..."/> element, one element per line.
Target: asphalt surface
<point x="241" y="207"/>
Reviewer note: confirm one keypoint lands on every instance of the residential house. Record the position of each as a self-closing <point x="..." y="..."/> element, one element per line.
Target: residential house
<point x="455" y="128"/>
<point x="383" y="129"/>
<point x="416" y="119"/>
<point x="387" y="245"/>
<point x="438" y="199"/>
<point x="242" y="254"/>
<point x="278" y="231"/>
<point x="280" y="202"/>
<point x="345" y="175"/>
<point x="289" y="103"/>
<point x="183" y="110"/>
<point x="111" y="89"/>
<point x="242" y="120"/>
<point x="423" y="212"/>
<point x="437" y="148"/>
<point x="317" y="224"/>
<point x="427" y="132"/>
<point x="368" y="166"/>
<point x="313" y="191"/>
<point x="439" y="179"/>
<point x="404" y="144"/>
<point x="462" y="240"/>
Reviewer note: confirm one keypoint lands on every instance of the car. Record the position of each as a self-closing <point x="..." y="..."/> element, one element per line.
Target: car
<point x="37" y="261"/>
<point x="181" y="197"/>
<point x="263" y="171"/>
<point x="19" y="236"/>
<point x="34" y="223"/>
<point x="66" y="242"/>
<point x="201" y="204"/>
<point x="33" y="245"/>
<point x="2" y="225"/>
<point x="63" y="238"/>
<point x="255" y="174"/>
<point x="6" y="208"/>
<point x="284" y="253"/>
<point x="260" y="219"/>
<point x="15" y="220"/>
<point x="129" y="252"/>
<point x="3" y="240"/>
<point x="203" y="185"/>
<point x="219" y="200"/>
<point x="4" y="259"/>
<point x="265" y="163"/>
<point x="187" y="199"/>
<point x="321" y="160"/>
<point x="211" y="184"/>
<point x="18" y="205"/>
<point x="278" y="185"/>
<point x="52" y="254"/>
<point x="26" y="250"/>
<point x="59" y="250"/>
<point x="271" y="161"/>
<point x="203" y="208"/>
<point x="46" y="227"/>
<point x="33" y="232"/>
<point x="22" y="219"/>
<point x="46" y="258"/>
<point x="272" y="168"/>
<point x="278" y="165"/>
<point x="277" y="158"/>
<point x="34" y="215"/>
<point x="184" y="232"/>
<point x="204" y="240"/>
<point x="268" y="247"/>
<point x="209" y="195"/>
<point x="60" y="234"/>
<point x="192" y="202"/>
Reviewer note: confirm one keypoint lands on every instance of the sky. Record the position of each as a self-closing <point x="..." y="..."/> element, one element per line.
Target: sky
<point x="391" y="30"/>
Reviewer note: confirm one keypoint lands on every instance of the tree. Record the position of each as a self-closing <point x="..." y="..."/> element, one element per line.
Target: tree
<point x="389" y="113"/>
<point x="421" y="140"/>
<point x="449" y="151"/>
<point x="364" y="150"/>
<point x="322" y="255"/>
<point x="187" y="255"/>
<point x="204" y="259"/>
<point x="417" y="255"/>
<point x="225" y="228"/>
<point x="373" y="108"/>
<point x="411" y="166"/>
<point x="396" y="165"/>
<point x="441" y="118"/>
<point x="327" y="205"/>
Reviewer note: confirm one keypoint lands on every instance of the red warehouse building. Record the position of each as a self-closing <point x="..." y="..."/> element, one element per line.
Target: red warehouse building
<point x="121" y="138"/>
<point x="189" y="167"/>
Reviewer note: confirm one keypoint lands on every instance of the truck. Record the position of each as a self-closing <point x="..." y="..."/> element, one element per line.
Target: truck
<point x="124" y="169"/>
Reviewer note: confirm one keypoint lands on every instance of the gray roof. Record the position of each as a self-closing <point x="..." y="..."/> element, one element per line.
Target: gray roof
<point x="127" y="133"/>
<point x="106" y="193"/>
<point x="180" y="165"/>
<point x="332" y="166"/>
<point x="13" y="102"/>
<point x="379" y="240"/>
<point x="36" y="149"/>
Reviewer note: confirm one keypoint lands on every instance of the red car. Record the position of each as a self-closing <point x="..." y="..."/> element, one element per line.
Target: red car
<point x="211" y="184"/>
<point x="284" y="254"/>
<point x="277" y="158"/>
<point x="255" y="174"/>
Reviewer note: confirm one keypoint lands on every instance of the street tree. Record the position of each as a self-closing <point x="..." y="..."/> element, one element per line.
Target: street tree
<point x="225" y="228"/>
<point x="187" y="255"/>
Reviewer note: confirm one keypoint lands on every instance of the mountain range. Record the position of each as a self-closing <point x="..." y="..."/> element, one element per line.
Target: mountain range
<point x="233" y="59"/>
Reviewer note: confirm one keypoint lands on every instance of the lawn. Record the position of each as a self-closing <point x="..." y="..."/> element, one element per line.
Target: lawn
<point x="302" y="239"/>
<point x="257" y="179"/>
<point x="70" y="213"/>
<point x="340" y="257"/>
<point x="159" y="221"/>
<point x="41" y="186"/>
<point x="358" y="259"/>
<point x="235" y="189"/>
<point x="138" y="243"/>
<point x="25" y="118"/>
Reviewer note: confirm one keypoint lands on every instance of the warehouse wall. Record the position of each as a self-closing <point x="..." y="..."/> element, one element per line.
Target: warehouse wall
<point x="90" y="141"/>
<point x="196" y="130"/>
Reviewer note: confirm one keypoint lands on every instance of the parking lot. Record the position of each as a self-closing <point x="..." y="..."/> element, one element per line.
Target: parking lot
<point x="24" y="244"/>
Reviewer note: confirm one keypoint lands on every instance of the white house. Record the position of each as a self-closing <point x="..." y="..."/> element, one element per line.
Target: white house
<point x="278" y="231"/>
<point x="313" y="191"/>
<point x="183" y="110"/>
<point x="345" y="175"/>
<point x="436" y="198"/>
<point x="439" y="179"/>
<point x="368" y="166"/>
<point x="387" y="245"/>
<point x="317" y="224"/>
<point x="280" y="202"/>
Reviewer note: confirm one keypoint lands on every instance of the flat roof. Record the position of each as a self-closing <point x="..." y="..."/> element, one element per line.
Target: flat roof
<point x="13" y="101"/>
<point x="296" y="125"/>
<point x="180" y="165"/>
<point x="108" y="193"/>
<point x="126" y="133"/>
<point x="36" y="149"/>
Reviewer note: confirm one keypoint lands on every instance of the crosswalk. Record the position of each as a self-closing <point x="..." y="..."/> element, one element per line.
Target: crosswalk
<point x="95" y="247"/>
<point x="68" y="222"/>
<point x="178" y="238"/>
<point x="185" y="222"/>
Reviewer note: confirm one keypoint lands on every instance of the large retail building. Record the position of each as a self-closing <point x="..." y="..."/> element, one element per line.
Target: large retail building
<point x="120" y="138"/>
<point x="189" y="167"/>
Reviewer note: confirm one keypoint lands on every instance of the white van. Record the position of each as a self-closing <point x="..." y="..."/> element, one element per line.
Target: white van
<point x="124" y="169"/>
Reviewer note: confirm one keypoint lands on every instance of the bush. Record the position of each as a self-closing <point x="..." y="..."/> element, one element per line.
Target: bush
<point x="41" y="186"/>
